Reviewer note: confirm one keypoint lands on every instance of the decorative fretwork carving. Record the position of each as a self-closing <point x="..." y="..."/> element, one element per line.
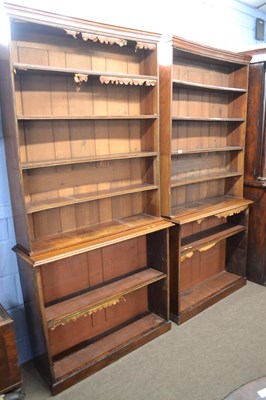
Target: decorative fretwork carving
<point x="85" y="313"/>
<point x="201" y="250"/>
<point x="188" y="255"/>
<point x="229" y="213"/>
<point x="199" y="221"/>
<point x="79" y="78"/>
<point x="72" y="33"/>
<point x="207" y="247"/>
<point x="103" y="39"/>
<point x="145" y="46"/>
<point x="127" y="81"/>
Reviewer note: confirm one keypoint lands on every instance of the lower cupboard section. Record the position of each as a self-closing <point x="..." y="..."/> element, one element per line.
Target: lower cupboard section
<point x="87" y="310"/>
<point x="208" y="262"/>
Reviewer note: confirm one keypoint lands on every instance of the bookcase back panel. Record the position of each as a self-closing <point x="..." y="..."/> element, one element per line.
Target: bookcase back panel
<point x="191" y="135"/>
<point x="201" y="266"/>
<point x="196" y="103"/>
<point x="194" y="196"/>
<point x="206" y="71"/>
<point x="42" y="183"/>
<point x="64" y="219"/>
<point x="183" y="196"/>
<point x="72" y="275"/>
<point x="193" y="165"/>
<point x="45" y="95"/>
<point x="86" y="328"/>
<point x="200" y="226"/>
<point x="59" y="140"/>
<point x="47" y="46"/>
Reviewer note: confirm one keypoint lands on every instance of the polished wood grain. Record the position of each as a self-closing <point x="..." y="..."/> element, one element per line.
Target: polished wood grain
<point x="256" y="259"/>
<point x="255" y="167"/>
<point x="10" y="376"/>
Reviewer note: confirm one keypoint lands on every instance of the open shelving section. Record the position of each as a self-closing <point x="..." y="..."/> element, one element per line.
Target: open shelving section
<point x="80" y="109"/>
<point x="86" y="119"/>
<point x="203" y="95"/>
<point x="91" y="305"/>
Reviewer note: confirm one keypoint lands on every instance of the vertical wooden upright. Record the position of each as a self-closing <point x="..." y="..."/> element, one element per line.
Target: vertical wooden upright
<point x="203" y="96"/>
<point x="255" y="166"/>
<point x="79" y="103"/>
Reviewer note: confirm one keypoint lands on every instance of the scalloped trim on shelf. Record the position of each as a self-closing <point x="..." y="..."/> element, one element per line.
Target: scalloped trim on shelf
<point x="85" y="313"/>
<point x="145" y="46"/>
<point x="127" y="81"/>
<point x="188" y="255"/>
<point x="79" y="78"/>
<point x="201" y="250"/>
<point x="103" y="39"/>
<point x="199" y="221"/>
<point x="72" y="33"/>
<point x="231" y="212"/>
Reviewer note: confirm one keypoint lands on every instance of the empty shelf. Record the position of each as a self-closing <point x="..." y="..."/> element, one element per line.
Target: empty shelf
<point x="84" y="197"/>
<point x="204" y="178"/>
<point x="87" y="303"/>
<point x="89" y="159"/>
<point x="212" y="235"/>
<point x="134" y="334"/>
<point x="194" y="85"/>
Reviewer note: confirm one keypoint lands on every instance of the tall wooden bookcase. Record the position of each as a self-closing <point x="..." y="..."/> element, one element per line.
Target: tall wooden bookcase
<point x="79" y="104"/>
<point x="203" y="95"/>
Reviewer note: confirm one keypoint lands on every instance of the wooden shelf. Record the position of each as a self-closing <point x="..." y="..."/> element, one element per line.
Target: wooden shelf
<point x="207" y="293"/>
<point x="89" y="159"/>
<point x="84" y="197"/>
<point x="208" y="236"/>
<point x="84" y="304"/>
<point x="84" y="117"/>
<point x="202" y="86"/>
<point x="110" y="345"/>
<point x="203" y="178"/>
<point x="94" y="236"/>
<point x="208" y="207"/>
<point x="20" y="68"/>
<point x="206" y="150"/>
<point x="204" y="119"/>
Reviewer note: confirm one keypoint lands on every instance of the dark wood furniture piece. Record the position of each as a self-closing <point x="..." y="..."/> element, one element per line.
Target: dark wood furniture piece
<point x="203" y="94"/>
<point x="255" y="167"/>
<point x="10" y="377"/>
<point x="80" y="114"/>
